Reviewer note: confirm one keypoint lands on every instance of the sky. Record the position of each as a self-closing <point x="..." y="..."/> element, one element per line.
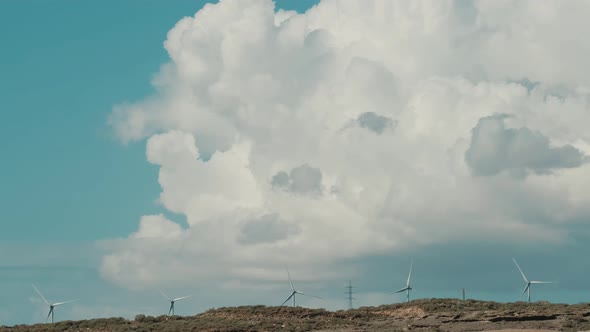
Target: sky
<point x="203" y="148"/>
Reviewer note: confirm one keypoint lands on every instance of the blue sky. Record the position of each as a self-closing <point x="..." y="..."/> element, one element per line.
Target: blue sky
<point x="49" y="99"/>
<point x="69" y="183"/>
<point x="66" y="180"/>
<point x="64" y="71"/>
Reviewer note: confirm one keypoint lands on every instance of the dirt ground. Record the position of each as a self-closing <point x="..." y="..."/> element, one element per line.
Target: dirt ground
<point x="441" y="315"/>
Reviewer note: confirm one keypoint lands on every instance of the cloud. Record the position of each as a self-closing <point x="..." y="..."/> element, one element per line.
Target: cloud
<point x="302" y="179"/>
<point x="375" y="122"/>
<point x="495" y="148"/>
<point x="246" y="129"/>
<point x="266" y="228"/>
<point x="222" y="183"/>
<point x="157" y="226"/>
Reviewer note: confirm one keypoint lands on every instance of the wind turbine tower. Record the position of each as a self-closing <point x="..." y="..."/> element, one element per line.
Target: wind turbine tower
<point x="51" y="305"/>
<point x="172" y="301"/>
<point x="295" y="292"/>
<point x="527" y="288"/>
<point x="408" y="287"/>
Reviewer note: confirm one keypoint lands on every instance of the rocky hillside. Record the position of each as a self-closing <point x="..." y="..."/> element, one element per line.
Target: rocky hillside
<point x="418" y="315"/>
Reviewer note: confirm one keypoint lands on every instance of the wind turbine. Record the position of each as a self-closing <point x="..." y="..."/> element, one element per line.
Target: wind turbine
<point x="408" y="288"/>
<point x="527" y="288"/>
<point x="172" y="301"/>
<point x="294" y="292"/>
<point x="51" y="305"/>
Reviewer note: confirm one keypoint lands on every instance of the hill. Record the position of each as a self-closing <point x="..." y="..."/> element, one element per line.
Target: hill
<point x="418" y="315"/>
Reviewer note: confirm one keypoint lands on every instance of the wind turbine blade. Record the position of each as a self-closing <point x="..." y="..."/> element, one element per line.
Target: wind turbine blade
<point x="182" y="298"/>
<point x="410" y="274"/>
<point x="39" y="292"/>
<point x="519" y="269"/>
<point x="544" y="282"/>
<point x="287" y="300"/>
<point x="60" y="303"/>
<point x="317" y="297"/>
<point x="164" y="295"/>
<point x="290" y="282"/>
<point x="49" y="314"/>
<point x="525" y="289"/>
<point x="401" y="290"/>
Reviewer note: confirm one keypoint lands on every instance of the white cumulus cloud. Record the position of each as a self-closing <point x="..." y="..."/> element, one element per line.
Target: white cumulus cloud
<point x="357" y="128"/>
